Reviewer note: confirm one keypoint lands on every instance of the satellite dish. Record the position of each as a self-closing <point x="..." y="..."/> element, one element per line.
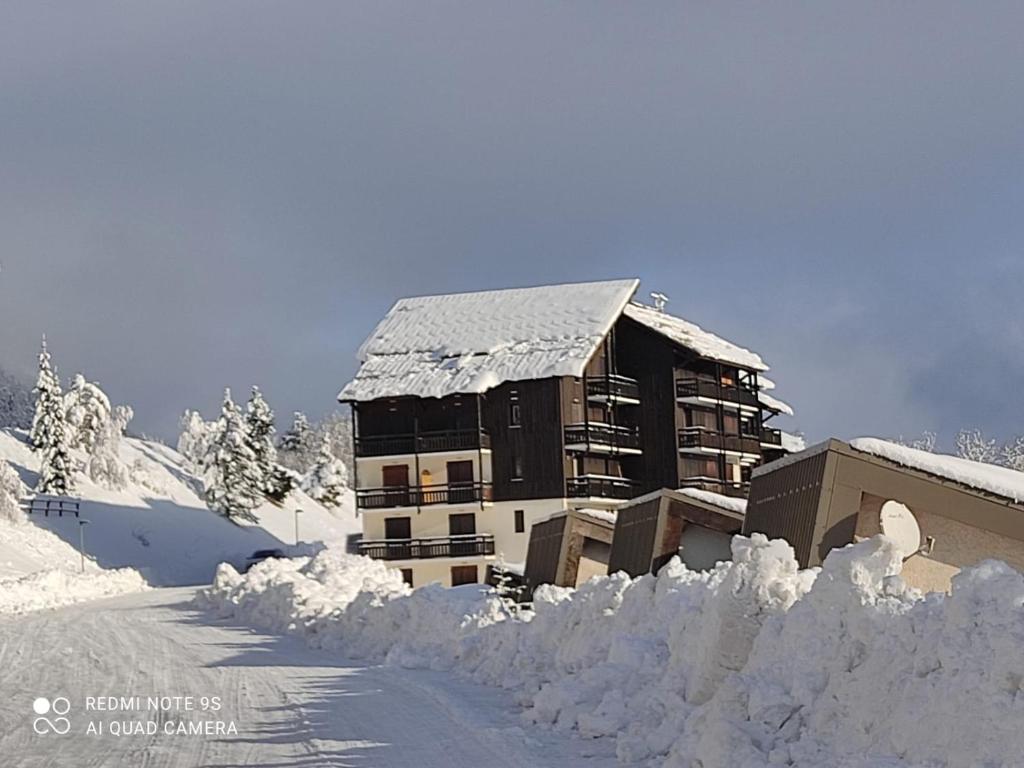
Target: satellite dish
<point x="900" y="525"/>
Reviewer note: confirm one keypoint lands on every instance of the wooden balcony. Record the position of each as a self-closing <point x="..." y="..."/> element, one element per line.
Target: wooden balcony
<point x="422" y="495"/>
<point x="424" y="442"/>
<point x="602" y="438"/>
<point x="597" y="487"/>
<point x="614" y="389"/>
<point x="698" y="440"/>
<point x="468" y="545"/>
<point x="695" y="390"/>
<point x="771" y="437"/>
<point x="737" y="490"/>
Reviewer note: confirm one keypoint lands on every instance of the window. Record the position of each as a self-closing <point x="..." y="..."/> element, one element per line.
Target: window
<point x="520" y="523"/>
<point x="517" y="465"/>
<point x="514" y="415"/>
<point x="463" y="574"/>
<point x="407" y="576"/>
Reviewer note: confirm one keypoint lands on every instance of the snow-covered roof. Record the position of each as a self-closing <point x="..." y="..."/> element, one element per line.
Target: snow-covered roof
<point x="1001" y="481"/>
<point x="792" y="443"/>
<point x="434" y="346"/>
<point x="694" y="337"/>
<point x="773" y="403"/>
<point x="731" y="503"/>
<point x="601" y="515"/>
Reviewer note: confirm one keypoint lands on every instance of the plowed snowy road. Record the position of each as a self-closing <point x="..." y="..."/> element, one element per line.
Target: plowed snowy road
<point x="293" y="707"/>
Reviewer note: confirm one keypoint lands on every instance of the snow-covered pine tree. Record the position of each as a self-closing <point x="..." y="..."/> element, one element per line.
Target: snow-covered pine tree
<point x="11" y="491"/>
<point x="87" y="413"/>
<point x="298" y="447"/>
<point x="105" y="465"/>
<point x="297" y="435"/>
<point x="194" y="442"/>
<point x="259" y="428"/>
<point x="337" y="426"/>
<point x="49" y="436"/>
<point x="327" y="481"/>
<point x="232" y="480"/>
<point x="48" y="397"/>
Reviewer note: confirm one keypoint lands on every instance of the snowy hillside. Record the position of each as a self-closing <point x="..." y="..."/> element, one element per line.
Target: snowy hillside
<point x="158" y="524"/>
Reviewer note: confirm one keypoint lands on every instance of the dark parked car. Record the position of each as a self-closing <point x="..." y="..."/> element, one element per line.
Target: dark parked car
<point x="260" y="555"/>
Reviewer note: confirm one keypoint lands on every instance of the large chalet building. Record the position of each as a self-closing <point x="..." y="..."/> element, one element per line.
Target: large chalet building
<point x="478" y="414"/>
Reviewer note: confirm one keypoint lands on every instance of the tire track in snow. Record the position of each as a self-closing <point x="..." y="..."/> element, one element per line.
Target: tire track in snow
<point x="294" y="707"/>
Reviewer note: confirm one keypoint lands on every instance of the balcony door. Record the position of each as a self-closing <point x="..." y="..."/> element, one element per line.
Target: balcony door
<point x="460" y="482"/>
<point x="462" y="525"/>
<point x="398" y="531"/>
<point x="395" y="478"/>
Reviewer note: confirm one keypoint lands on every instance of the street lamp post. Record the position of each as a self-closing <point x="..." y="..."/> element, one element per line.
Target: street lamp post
<point x="81" y="541"/>
<point x="297" y="513"/>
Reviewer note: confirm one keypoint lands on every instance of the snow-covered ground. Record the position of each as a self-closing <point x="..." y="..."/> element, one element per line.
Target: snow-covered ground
<point x="291" y="706"/>
<point x="158" y="524"/>
<point x="755" y="663"/>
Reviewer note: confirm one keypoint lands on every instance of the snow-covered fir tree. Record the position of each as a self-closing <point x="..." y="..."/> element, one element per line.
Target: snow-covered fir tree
<point x="327" y="481"/>
<point x="49" y="435"/>
<point x="17" y="405"/>
<point x="87" y="413"/>
<point x="259" y="427"/>
<point x="195" y="440"/>
<point x="105" y="466"/>
<point x="337" y="427"/>
<point x="233" y="485"/>
<point x="298" y="447"/>
<point x="11" y="491"/>
<point x="48" y="403"/>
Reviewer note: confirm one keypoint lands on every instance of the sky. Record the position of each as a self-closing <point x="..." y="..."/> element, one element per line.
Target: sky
<point x="197" y="195"/>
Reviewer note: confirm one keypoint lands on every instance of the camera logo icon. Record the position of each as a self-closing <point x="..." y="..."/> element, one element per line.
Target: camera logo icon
<point x="59" y="724"/>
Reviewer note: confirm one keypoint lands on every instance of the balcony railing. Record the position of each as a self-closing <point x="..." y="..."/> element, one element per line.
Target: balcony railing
<point x="771" y="436"/>
<point x="738" y="490"/>
<point x="607" y="436"/>
<point x="422" y="495"/>
<point x="614" y="388"/>
<point x="424" y="442"/>
<point x="594" y="487"/>
<point x="711" y="390"/>
<point x="468" y="545"/>
<point x="695" y="438"/>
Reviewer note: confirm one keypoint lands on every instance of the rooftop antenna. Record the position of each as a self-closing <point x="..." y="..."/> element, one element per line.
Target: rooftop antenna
<point x="659" y="299"/>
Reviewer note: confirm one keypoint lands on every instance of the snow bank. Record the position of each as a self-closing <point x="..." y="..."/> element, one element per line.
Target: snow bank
<point x="56" y="587"/>
<point x="754" y="663"/>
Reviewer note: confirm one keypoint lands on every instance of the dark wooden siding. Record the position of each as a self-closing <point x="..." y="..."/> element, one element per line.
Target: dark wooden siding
<point x="633" y="543"/>
<point x="537" y="441"/>
<point x="404" y="415"/>
<point x="649" y="358"/>
<point x="544" y="549"/>
<point x="783" y="504"/>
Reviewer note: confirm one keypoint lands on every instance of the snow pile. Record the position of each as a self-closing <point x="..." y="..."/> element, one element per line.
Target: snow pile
<point x="56" y="587"/>
<point x="1001" y="481"/>
<point x="754" y="663"/>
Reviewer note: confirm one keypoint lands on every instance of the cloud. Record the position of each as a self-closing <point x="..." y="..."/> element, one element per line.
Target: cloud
<point x="198" y="195"/>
